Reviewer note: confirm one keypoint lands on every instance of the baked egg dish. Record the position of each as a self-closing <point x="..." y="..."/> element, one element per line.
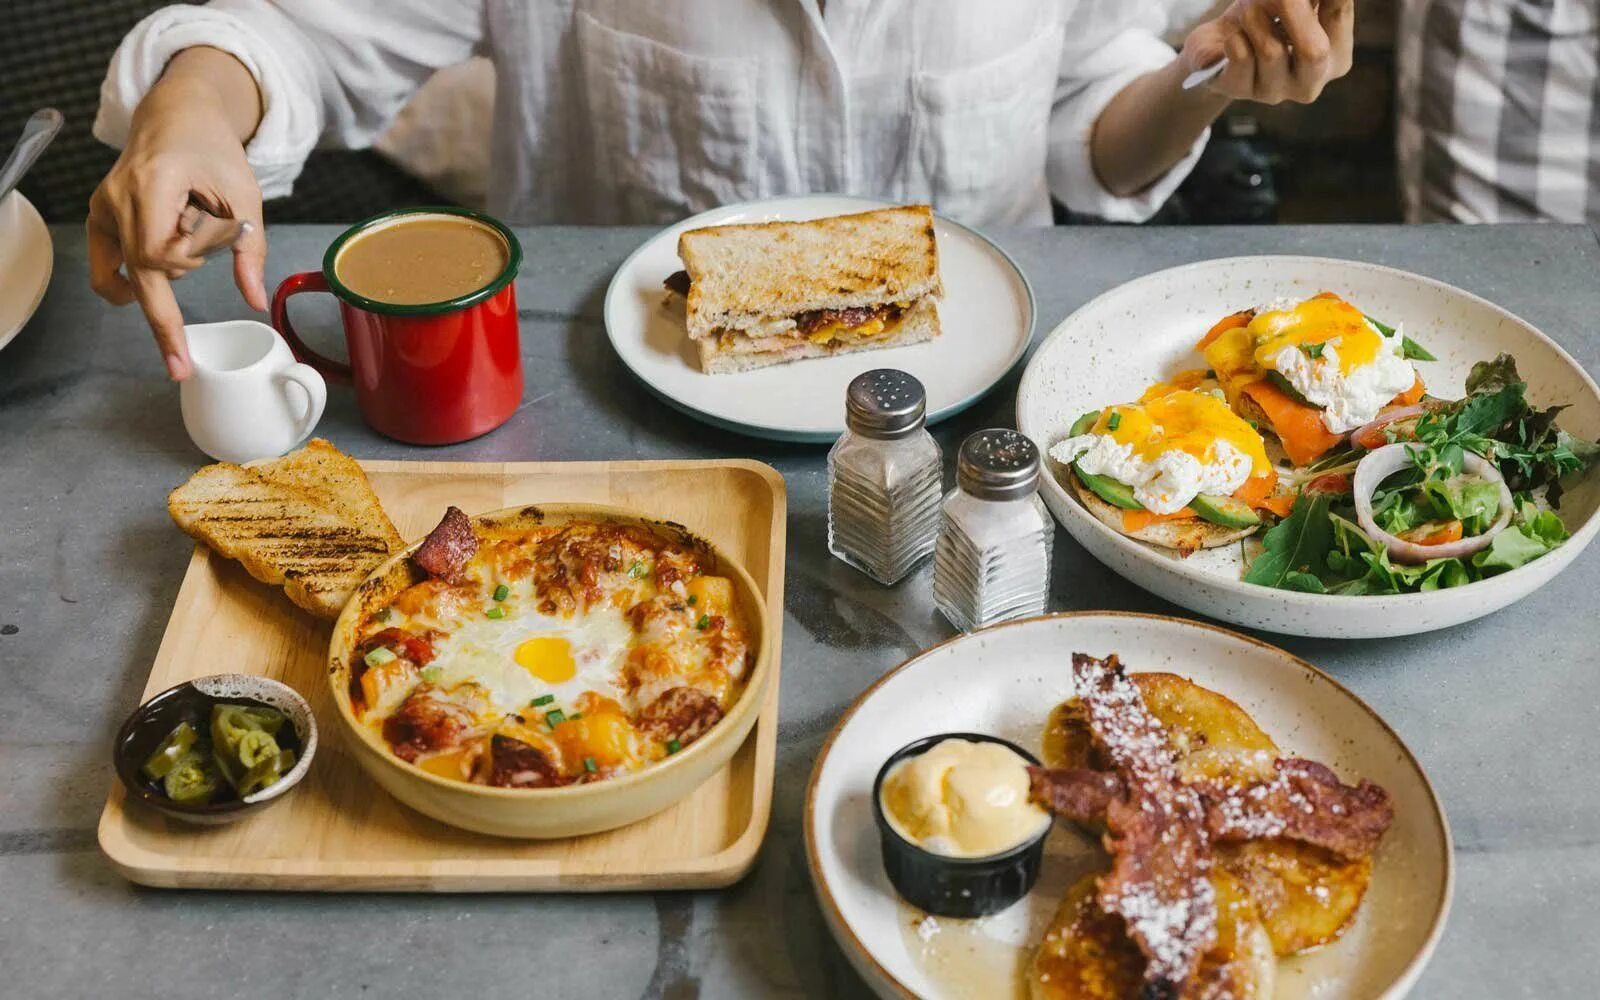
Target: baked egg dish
<point x="538" y="656"/>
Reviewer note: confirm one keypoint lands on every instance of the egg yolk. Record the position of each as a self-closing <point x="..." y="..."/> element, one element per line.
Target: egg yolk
<point x="1182" y="420"/>
<point x="548" y="658"/>
<point x="1316" y="321"/>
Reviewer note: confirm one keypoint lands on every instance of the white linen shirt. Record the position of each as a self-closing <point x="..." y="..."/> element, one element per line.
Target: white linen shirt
<point x="620" y="111"/>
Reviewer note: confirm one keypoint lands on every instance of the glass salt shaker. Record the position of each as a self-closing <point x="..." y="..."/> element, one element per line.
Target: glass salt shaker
<point x="993" y="560"/>
<point x="884" y="477"/>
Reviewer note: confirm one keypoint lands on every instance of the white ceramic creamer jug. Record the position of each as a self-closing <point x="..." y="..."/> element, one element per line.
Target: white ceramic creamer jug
<point x="248" y="398"/>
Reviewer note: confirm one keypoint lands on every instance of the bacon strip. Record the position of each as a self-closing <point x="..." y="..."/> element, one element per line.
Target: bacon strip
<point x="1080" y="795"/>
<point x="1303" y="801"/>
<point x="448" y="547"/>
<point x="1156" y="832"/>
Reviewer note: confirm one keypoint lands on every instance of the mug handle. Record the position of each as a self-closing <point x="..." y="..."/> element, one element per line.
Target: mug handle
<point x="305" y="281"/>
<point x="309" y="379"/>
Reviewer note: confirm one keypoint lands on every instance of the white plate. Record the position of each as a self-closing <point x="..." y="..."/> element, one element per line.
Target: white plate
<point x="1003" y="681"/>
<point x="1111" y="349"/>
<point x="986" y="317"/>
<point x="26" y="258"/>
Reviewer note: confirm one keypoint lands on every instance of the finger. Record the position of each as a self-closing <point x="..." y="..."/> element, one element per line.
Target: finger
<point x="1310" y="50"/>
<point x="1271" y="55"/>
<point x="159" y="242"/>
<point x="250" y="256"/>
<point x="105" y="261"/>
<point x="166" y="322"/>
<point x="1338" y="19"/>
<point x="1238" y="80"/>
<point x="1205" y="45"/>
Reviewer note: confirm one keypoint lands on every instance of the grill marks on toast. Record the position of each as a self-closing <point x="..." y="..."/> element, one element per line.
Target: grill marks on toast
<point x="318" y="543"/>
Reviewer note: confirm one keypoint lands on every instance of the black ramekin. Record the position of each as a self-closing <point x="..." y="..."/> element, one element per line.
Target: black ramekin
<point x="955" y="887"/>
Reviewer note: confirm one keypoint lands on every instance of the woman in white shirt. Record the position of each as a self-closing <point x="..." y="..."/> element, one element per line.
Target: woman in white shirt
<point x="616" y="111"/>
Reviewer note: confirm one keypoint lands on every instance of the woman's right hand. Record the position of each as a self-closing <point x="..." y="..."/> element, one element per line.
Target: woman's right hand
<point x="185" y="141"/>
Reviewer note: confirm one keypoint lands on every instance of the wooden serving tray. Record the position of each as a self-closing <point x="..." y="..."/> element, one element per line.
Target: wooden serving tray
<point x="340" y="832"/>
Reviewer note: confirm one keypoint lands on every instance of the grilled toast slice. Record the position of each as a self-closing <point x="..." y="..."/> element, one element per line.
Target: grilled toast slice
<point x="335" y="481"/>
<point x="318" y="544"/>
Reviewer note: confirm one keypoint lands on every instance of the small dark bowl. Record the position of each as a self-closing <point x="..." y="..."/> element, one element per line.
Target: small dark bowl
<point x="191" y="702"/>
<point x="956" y="887"/>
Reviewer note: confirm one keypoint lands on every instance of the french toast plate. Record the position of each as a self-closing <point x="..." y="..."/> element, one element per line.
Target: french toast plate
<point x="26" y="259"/>
<point x="1114" y="347"/>
<point x="1003" y="681"/>
<point x="986" y="319"/>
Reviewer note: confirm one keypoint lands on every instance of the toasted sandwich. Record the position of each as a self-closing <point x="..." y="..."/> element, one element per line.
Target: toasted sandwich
<point x="767" y="293"/>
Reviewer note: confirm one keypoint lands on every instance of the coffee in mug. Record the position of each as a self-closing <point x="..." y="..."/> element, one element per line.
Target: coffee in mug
<point x="417" y="259"/>
<point x="427" y="298"/>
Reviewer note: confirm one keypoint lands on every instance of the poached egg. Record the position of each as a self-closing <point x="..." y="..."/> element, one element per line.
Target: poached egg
<point x="1172" y="445"/>
<point x="1324" y="348"/>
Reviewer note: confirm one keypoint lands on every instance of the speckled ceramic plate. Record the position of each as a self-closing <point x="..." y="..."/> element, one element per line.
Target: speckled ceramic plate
<point x="986" y="319"/>
<point x="26" y="259"/>
<point x="1136" y="334"/>
<point x="1003" y="681"/>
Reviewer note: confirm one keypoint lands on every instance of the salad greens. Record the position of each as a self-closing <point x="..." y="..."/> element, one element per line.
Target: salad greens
<point x="1319" y="548"/>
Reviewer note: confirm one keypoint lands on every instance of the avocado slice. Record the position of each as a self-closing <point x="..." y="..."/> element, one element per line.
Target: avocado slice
<point x="1112" y="492"/>
<point x="1083" y="423"/>
<point x="1226" y="511"/>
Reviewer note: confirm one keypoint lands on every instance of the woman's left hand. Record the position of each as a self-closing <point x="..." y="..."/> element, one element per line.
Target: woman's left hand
<point x="1277" y="50"/>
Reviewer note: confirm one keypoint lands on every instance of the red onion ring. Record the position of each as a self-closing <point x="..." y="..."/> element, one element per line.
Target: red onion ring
<point x="1385" y="419"/>
<point x="1379" y="465"/>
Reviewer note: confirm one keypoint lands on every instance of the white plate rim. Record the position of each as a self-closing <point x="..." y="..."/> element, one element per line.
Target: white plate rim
<point x="779" y="433"/>
<point x="867" y="963"/>
<point x="1399" y="603"/>
<point x="33" y="224"/>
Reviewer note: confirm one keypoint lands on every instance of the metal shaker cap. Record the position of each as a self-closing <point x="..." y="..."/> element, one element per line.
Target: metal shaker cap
<point x="998" y="464"/>
<point x="885" y="403"/>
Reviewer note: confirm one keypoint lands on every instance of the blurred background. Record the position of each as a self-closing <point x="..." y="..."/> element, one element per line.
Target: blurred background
<point x="1291" y="163"/>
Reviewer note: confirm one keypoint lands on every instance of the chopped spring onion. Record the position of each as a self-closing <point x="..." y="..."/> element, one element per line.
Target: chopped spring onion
<point x="1114" y="421"/>
<point x="555" y="717"/>
<point x="502" y="592"/>
<point x="589" y="765"/>
<point x="432" y="674"/>
<point x="495" y="613"/>
<point x="384" y="614"/>
<point x="693" y="598"/>
<point x="673" y="746"/>
<point x="575" y="716"/>
<point x="1314" y="350"/>
<point x="704" y="622"/>
<point x="543" y="699"/>
<point x="378" y="657"/>
<point x="636" y="570"/>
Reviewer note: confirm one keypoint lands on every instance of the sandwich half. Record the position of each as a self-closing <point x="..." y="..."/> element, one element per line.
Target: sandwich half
<point x="767" y="293"/>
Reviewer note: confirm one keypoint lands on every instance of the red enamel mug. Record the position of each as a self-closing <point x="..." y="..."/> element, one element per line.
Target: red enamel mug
<point x="435" y="373"/>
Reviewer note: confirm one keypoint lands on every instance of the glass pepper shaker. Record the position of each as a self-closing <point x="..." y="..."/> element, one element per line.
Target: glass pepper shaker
<point x="993" y="560"/>
<point x="884" y="477"/>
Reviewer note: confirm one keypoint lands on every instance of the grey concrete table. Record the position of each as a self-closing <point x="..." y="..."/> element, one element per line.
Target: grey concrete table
<point x="1502" y="712"/>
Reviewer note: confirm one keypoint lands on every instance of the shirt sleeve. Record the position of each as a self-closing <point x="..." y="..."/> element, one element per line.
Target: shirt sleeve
<point x="1095" y="68"/>
<point x="330" y="74"/>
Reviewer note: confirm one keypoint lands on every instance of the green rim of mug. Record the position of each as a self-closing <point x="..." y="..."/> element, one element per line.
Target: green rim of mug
<point x="513" y="264"/>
